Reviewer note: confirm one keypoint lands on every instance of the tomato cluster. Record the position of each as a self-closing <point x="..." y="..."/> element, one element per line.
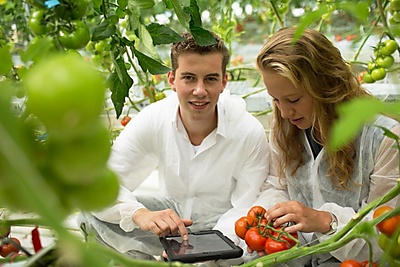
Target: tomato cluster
<point x="377" y="67"/>
<point x="66" y="94"/>
<point x="259" y="235"/>
<point x="389" y="237"/>
<point x="9" y="246"/>
<point x="62" y="22"/>
<point x="394" y="10"/>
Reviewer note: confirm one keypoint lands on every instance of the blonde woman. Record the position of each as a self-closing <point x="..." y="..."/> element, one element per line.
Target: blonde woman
<point x="316" y="191"/>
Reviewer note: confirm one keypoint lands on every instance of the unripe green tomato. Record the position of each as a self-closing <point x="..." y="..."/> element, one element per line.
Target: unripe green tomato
<point x="102" y="193"/>
<point x="36" y="3"/>
<point x="37" y="23"/>
<point x="394" y="5"/>
<point x="389" y="245"/>
<point x="385" y="61"/>
<point x="159" y="96"/>
<point x="66" y="93"/>
<point x="75" y="38"/>
<point x="77" y="161"/>
<point x="368" y="78"/>
<point x="378" y="73"/>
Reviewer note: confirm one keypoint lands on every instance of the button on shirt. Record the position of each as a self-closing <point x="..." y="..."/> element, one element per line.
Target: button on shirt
<point x="224" y="176"/>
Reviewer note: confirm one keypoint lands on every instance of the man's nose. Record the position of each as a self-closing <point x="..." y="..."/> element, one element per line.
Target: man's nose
<point x="200" y="89"/>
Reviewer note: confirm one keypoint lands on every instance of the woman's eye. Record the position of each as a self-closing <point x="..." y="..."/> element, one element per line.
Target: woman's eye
<point x="294" y="101"/>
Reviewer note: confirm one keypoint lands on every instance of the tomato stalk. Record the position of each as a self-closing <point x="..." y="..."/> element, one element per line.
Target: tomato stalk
<point x="356" y="228"/>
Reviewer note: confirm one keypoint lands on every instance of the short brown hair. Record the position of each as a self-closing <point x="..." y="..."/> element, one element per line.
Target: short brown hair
<point x="189" y="45"/>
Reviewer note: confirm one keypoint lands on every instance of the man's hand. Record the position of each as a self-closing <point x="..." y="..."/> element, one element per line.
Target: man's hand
<point x="162" y="223"/>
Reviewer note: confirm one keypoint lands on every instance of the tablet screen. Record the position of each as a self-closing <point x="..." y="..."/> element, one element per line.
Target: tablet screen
<point x="201" y="246"/>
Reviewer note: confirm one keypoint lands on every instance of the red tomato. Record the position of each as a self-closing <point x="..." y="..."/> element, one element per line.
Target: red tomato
<point x="272" y="246"/>
<point x="387" y="226"/>
<point x="366" y="264"/>
<point x="10" y="248"/>
<point x="254" y="239"/>
<point x="256" y="213"/>
<point x="241" y="226"/>
<point x="286" y="238"/>
<point x="350" y="263"/>
<point x="125" y="120"/>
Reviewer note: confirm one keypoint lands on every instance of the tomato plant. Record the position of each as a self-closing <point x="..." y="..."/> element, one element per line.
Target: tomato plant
<point x="350" y="263"/>
<point x="75" y="36"/>
<point x="5" y="231"/>
<point x="9" y="247"/>
<point x="390" y="225"/>
<point x="388" y="47"/>
<point x="255" y="239"/>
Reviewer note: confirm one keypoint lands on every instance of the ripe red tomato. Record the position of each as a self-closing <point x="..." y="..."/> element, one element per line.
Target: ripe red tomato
<point x="125" y="120"/>
<point x="350" y="263"/>
<point x="254" y="239"/>
<point x="387" y="226"/>
<point x="241" y="226"/>
<point x="286" y="238"/>
<point x="256" y="213"/>
<point x="272" y="246"/>
<point x="366" y="264"/>
<point x="9" y="248"/>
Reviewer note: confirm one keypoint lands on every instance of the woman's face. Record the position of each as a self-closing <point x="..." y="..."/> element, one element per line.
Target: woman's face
<point x="294" y="104"/>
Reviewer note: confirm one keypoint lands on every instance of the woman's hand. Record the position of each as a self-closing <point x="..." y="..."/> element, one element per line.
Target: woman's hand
<point x="301" y="217"/>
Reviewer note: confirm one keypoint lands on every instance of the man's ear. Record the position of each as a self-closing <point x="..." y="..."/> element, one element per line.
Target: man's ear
<point x="224" y="82"/>
<point x="171" y="80"/>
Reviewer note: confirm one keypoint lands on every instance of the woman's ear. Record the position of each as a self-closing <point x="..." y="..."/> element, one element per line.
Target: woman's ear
<point x="171" y="80"/>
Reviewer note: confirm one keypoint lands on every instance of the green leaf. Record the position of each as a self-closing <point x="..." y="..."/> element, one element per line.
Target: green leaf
<point x="37" y="49"/>
<point x="6" y="62"/>
<point x="352" y="117"/>
<point x="122" y="3"/>
<point x="103" y="31"/>
<point x="388" y="133"/>
<point x="360" y="10"/>
<point x="162" y="34"/>
<point x="202" y="36"/>
<point x="142" y="4"/>
<point x="149" y="64"/>
<point x="194" y="12"/>
<point x="178" y="6"/>
<point x="119" y="83"/>
<point x="309" y="19"/>
<point x="145" y="42"/>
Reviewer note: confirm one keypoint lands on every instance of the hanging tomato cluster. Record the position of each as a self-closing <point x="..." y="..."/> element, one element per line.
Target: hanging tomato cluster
<point x="389" y="237"/>
<point x="378" y="66"/>
<point x="9" y="246"/>
<point x="259" y="235"/>
<point x="61" y="20"/>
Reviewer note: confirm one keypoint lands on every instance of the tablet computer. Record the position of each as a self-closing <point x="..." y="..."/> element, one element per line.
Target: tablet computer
<point x="201" y="246"/>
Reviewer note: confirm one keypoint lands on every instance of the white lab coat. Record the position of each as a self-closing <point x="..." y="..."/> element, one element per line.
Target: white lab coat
<point x="376" y="172"/>
<point x="223" y="178"/>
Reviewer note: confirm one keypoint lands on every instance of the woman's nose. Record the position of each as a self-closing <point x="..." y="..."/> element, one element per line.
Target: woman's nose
<point x="286" y="111"/>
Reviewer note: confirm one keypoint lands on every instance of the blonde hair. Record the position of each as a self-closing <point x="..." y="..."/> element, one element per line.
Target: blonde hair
<point x="313" y="63"/>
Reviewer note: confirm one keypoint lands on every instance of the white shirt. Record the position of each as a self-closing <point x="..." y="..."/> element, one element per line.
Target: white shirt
<point x="224" y="176"/>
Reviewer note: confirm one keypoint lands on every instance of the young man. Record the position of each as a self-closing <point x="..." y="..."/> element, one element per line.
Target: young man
<point x="210" y="153"/>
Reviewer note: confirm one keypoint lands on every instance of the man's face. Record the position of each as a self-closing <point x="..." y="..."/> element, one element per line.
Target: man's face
<point x="198" y="82"/>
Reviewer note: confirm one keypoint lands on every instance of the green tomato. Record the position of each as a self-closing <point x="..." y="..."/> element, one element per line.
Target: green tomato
<point x="66" y="93"/>
<point x="159" y="95"/>
<point x="385" y="61"/>
<point x="389" y="245"/>
<point x="98" y="195"/>
<point x="388" y="47"/>
<point x="37" y="22"/>
<point x="75" y="38"/>
<point x="71" y="9"/>
<point x="378" y="74"/>
<point x="77" y="161"/>
<point x="394" y="5"/>
<point x="368" y="78"/>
